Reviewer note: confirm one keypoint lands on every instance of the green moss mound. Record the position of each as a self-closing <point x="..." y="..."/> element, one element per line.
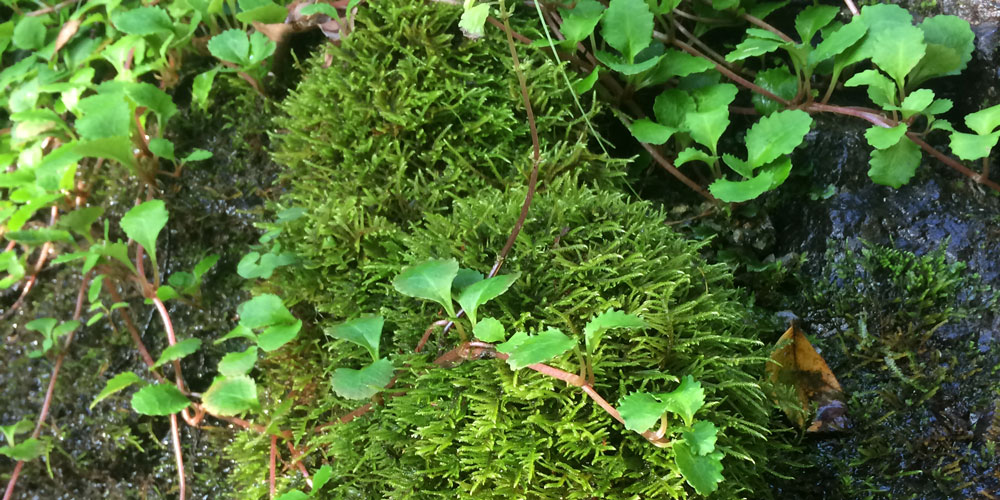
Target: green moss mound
<point x="479" y="430"/>
<point x="408" y="117"/>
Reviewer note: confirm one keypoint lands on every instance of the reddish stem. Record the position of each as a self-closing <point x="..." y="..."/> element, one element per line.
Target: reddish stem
<point x="171" y="338"/>
<point x="427" y="334"/>
<point x="178" y="456"/>
<point x="274" y="456"/>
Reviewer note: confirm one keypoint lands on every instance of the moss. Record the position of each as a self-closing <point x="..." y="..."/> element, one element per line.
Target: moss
<point x="921" y="391"/>
<point x="408" y="117"/>
<point x="487" y="432"/>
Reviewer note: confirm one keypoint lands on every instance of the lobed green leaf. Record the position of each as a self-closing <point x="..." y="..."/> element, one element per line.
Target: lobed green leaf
<point x="627" y="26"/>
<point x="364" y="332"/>
<point x="160" y="399"/>
<point x="228" y="396"/>
<point x="177" y="351"/>
<point x="364" y="383"/>
<point x="524" y="350"/>
<point x="702" y="472"/>
<point x="894" y="166"/>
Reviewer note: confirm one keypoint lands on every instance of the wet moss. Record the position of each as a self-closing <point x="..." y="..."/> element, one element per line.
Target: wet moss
<point x="901" y="333"/>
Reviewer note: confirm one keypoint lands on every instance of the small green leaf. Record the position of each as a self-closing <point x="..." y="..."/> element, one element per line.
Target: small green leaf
<point x="29" y="449"/>
<point x="228" y="396"/>
<point x="166" y="292"/>
<point x="234" y="364"/>
<point x="430" y="280"/>
<point x="605" y="321"/>
<point x="197" y="154"/>
<point x="898" y="49"/>
<point x="880" y="89"/>
<point x="645" y="130"/>
<point x="231" y="46"/>
<point x="177" y="351"/>
<point x="142" y="21"/>
<point x="693" y="154"/>
<point x="464" y="278"/>
<point x="117" y="383"/>
<point x="628" y="27"/>
<point x="162" y="148"/>
<point x="882" y="138"/>
<point x="42" y="325"/>
<point x="950" y="42"/>
<point x="686" y="399"/>
<point x="364" y="383"/>
<point x="776" y="135"/>
<point x="916" y="102"/>
<point x="706" y="127"/>
<point x="752" y="47"/>
<point x="364" y="332"/>
<point x="143" y="224"/>
<point x="939" y="106"/>
<point x="616" y="63"/>
<point x="322" y="476"/>
<point x="262" y="12"/>
<point x="672" y="106"/>
<point x="813" y="19"/>
<point x="11" y="431"/>
<point x="586" y="83"/>
<point x="484" y="291"/>
<point x="972" y="146"/>
<point x="102" y="116"/>
<point x="641" y="410"/>
<point x="204" y="265"/>
<point x="985" y="121"/>
<point x="201" y="87"/>
<point x="702" y="472"/>
<point x="701" y="438"/>
<point x="160" y="399"/>
<point x="294" y="494"/>
<point x="473" y="20"/>
<point x="320" y="8"/>
<point x="276" y="336"/>
<point x="780" y="82"/>
<point x="261" y="47"/>
<point x="838" y="41"/>
<point x="578" y="24"/>
<point x="536" y="348"/>
<point x="895" y="166"/>
<point x="240" y="331"/>
<point x="264" y="310"/>
<point x="740" y="191"/>
<point x="489" y="330"/>
<point x="29" y="33"/>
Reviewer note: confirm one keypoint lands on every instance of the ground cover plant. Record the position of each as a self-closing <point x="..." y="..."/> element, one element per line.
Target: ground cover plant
<point x="458" y="289"/>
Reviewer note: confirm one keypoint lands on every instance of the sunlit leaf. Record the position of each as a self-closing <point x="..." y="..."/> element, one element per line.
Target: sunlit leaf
<point x="364" y="383"/>
<point x="142" y="21"/>
<point x="234" y="364"/>
<point x="430" y="280"/>
<point x="178" y="351"/>
<point x="117" y="383"/>
<point x="607" y="320"/>
<point x="702" y="472"/>
<point x="489" y="330"/>
<point x="231" y="46"/>
<point x="686" y="399"/>
<point x="484" y="291"/>
<point x="898" y="49"/>
<point x="776" y="135"/>
<point x="364" y="332"/>
<point x="143" y="224"/>
<point x="264" y="310"/>
<point x="473" y="20"/>
<point x="882" y="137"/>
<point x="228" y="396"/>
<point x="985" y="121"/>
<point x="275" y="336"/>
<point x="641" y="410"/>
<point x="160" y="399"/>
<point x="532" y="349"/>
<point x="702" y="437"/>
<point x="645" y="130"/>
<point x="894" y="166"/>
<point x="628" y="27"/>
<point x="973" y="146"/>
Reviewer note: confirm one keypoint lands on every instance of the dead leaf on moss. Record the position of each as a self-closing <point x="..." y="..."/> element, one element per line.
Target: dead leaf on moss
<point x="66" y="33"/>
<point x="797" y="365"/>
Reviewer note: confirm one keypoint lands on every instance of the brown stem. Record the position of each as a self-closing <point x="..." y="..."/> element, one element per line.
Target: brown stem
<point x="178" y="456"/>
<point x="133" y="331"/>
<point x="427" y="333"/>
<point x="274" y="456"/>
<point x="39" y="264"/>
<point x="768" y="27"/>
<point x="729" y="74"/>
<point x="953" y="163"/>
<point x="669" y="167"/>
<point x="536" y="150"/>
<point x="298" y="463"/>
<point x="853" y="8"/>
<point x="171" y="339"/>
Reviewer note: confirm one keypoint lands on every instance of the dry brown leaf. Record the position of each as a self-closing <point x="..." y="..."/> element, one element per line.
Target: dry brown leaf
<point x="797" y="364"/>
<point x="66" y="33"/>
